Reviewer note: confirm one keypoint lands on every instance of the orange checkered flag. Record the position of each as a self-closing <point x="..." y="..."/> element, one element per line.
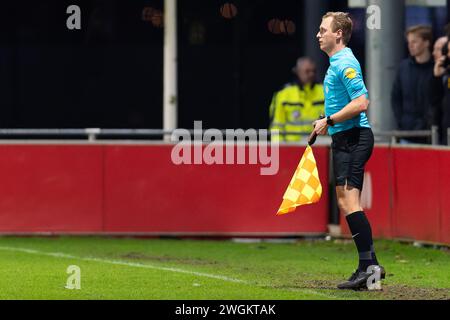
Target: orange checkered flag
<point x="305" y="187"/>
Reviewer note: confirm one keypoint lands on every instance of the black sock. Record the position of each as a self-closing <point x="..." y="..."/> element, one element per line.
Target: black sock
<point x="362" y="235"/>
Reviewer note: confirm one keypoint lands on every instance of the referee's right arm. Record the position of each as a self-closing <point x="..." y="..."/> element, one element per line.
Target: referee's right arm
<point x="351" y="110"/>
<point x="352" y="78"/>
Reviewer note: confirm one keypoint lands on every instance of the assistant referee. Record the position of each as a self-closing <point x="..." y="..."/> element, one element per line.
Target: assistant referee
<point x="346" y="101"/>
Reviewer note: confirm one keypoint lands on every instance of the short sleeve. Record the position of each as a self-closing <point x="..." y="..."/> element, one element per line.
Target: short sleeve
<point x="352" y="79"/>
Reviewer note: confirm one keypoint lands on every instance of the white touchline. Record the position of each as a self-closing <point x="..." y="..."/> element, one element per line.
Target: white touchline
<point x="147" y="266"/>
<point x="121" y="263"/>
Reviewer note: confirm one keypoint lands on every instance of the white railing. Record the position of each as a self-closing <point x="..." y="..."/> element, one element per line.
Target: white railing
<point x="93" y="134"/>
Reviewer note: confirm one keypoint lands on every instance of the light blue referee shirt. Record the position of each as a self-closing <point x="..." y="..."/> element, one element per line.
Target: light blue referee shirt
<point x="343" y="83"/>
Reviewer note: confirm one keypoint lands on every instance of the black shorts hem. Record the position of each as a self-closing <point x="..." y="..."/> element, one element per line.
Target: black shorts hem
<point x="341" y="183"/>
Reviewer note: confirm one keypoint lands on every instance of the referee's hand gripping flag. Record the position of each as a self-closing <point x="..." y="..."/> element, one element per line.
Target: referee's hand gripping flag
<point x="305" y="186"/>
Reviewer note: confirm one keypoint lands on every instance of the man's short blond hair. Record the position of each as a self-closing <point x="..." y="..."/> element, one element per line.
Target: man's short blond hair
<point x="341" y="21"/>
<point x="423" y="31"/>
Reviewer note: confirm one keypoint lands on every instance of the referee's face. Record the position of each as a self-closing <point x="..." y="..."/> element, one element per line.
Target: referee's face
<point x="327" y="38"/>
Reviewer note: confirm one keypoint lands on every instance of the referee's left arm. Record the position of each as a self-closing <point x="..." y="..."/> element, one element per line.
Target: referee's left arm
<point x="352" y="78"/>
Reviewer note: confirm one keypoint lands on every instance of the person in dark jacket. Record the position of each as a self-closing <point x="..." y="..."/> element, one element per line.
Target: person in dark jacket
<point x="441" y="89"/>
<point x="410" y="96"/>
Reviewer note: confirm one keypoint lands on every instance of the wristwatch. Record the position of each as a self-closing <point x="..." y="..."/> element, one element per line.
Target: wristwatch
<point x="330" y="121"/>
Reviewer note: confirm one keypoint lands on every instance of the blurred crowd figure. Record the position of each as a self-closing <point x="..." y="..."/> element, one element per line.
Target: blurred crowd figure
<point x="411" y="91"/>
<point x="298" y="104"/>
<point x="441" y="83"/>
<point x="420" y="93"/>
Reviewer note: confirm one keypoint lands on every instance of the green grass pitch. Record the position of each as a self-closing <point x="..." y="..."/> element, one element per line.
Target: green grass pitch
<point x="128" y="268"/>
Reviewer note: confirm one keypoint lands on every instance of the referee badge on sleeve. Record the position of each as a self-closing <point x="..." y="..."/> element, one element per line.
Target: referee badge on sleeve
<point x="350" y="73"/>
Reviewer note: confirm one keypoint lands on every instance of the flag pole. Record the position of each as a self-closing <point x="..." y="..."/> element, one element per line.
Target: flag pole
<point x="313" y="135"/>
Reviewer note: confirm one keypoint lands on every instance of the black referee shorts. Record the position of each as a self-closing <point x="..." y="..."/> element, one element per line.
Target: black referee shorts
<point x="351" y="150"/>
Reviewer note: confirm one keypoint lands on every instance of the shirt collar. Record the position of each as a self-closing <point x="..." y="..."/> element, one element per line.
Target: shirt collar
<point x="338" y="54"/>
<point x="413" y="61"/>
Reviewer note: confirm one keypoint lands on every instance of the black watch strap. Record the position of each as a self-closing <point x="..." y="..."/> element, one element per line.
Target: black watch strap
<point x="330" y="121"/>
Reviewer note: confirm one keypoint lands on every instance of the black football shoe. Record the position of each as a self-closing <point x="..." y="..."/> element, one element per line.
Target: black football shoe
<point x="358" y="280"/>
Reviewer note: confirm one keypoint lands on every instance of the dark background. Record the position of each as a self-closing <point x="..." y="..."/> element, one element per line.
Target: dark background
<point x="109" y="74"/>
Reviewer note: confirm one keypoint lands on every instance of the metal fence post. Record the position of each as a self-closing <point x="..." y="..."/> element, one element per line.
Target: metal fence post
<point x="448" y="136"/>
<point x="334" y="215"/>
<point x="92" y="133"/>
<point x="393" y="139"/>
<point x="434" y="135"/>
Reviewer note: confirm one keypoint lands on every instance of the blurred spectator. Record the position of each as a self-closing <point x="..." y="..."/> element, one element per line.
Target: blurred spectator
<point x="447" y="30"/>
<point x="441" y="84"/>
<point x="410" y="96"/>
<point x="298" y="104"/>
<point x="436" y="92"/>
<point x="438" y="46"/>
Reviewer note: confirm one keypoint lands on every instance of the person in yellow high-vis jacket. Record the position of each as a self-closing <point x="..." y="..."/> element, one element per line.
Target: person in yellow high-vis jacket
<point x="298" y="104"/>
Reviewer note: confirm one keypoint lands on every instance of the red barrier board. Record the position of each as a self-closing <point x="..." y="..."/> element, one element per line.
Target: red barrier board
<point x="379" y="176"/>
<point x="146" y="192"/>
<point x="416" y="194"/>
<point x="50" y="188"/>
<point x="137" y="188"/>
<point x="444" y="194"/>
